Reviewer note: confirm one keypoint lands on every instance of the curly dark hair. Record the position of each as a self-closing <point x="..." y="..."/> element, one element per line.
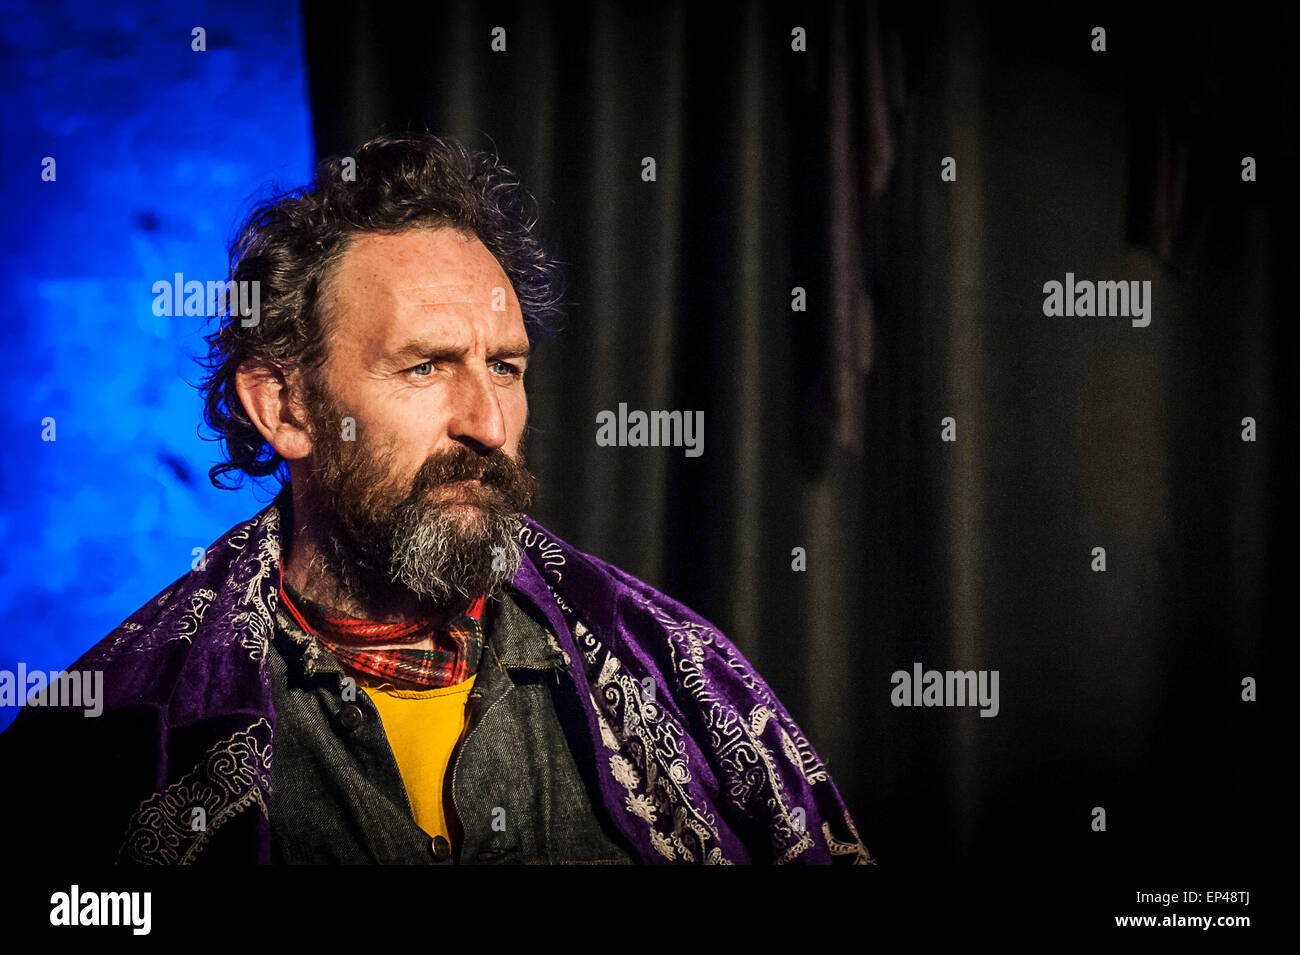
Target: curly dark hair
<point x="291" y="243"/>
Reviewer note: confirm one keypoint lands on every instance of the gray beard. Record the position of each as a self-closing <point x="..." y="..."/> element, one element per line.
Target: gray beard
<point x="433" y="554"/>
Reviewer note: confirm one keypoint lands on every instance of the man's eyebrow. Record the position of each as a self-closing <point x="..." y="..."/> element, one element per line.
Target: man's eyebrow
<point x="511" y="350"/>
<point x="440" y="351"/>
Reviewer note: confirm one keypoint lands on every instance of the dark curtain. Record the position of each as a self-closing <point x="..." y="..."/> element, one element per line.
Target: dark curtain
<point x="820" y="170"/>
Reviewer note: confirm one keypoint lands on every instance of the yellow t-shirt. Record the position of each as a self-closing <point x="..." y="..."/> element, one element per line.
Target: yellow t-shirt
<point x="423" y="728"/>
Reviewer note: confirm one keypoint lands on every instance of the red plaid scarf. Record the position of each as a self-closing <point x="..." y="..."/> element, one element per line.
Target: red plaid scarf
<point x="458" y="644"/>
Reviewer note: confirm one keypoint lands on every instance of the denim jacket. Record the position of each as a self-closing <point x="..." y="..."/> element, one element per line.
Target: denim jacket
<point x="521" y="781"/>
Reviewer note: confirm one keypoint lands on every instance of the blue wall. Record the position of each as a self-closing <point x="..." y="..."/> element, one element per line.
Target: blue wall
<point x="160" y="150"/>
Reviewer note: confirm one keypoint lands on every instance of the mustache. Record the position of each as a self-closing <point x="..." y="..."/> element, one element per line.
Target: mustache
<point x="495" y="471"/>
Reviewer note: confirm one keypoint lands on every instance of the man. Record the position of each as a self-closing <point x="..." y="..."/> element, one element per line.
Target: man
<point x="391" y="663"/>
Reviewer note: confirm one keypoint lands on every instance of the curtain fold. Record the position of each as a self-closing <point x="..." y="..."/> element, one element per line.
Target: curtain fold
<point x="820" y="169"/>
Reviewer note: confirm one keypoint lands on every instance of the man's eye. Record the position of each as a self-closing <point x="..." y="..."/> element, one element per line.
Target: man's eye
<point x="422" y="365"/>
<point x="509" y="368"/>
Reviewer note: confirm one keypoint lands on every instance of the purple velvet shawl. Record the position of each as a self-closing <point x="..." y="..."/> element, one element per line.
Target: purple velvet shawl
<point x="697" y="760"/>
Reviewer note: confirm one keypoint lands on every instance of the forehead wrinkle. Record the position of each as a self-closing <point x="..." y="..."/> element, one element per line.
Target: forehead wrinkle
<point x="446" y="294"/>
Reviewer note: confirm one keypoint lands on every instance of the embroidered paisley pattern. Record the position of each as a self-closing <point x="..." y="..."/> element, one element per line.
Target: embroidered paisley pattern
<point x="649" y="759"/>
<point x="253" y="620"/>
<point x="758" y="753"/>
<point x="751" y="767"/>
<point x="232" y="776"/>
<point x="246" y="582"/>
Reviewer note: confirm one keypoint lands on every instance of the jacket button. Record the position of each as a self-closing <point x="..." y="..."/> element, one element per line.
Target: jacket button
<point x="441" y="849"/>
<point x="351" y="716"/>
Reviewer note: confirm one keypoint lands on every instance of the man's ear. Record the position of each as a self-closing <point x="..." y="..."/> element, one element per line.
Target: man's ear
<point x="274" y="403"/>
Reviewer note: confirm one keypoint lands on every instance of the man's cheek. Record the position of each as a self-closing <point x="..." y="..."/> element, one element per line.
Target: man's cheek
<point x="518" y="425"/>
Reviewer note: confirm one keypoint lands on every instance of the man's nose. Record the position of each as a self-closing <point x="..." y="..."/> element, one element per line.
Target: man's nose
<point x="476" y="417"/>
